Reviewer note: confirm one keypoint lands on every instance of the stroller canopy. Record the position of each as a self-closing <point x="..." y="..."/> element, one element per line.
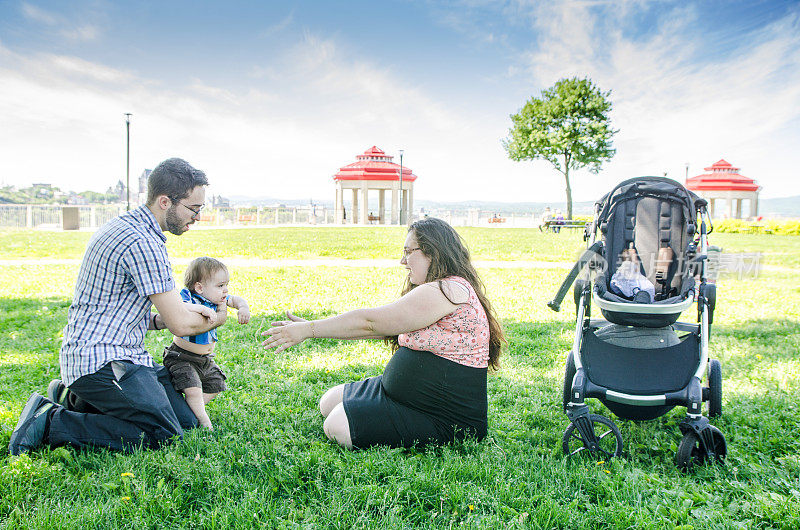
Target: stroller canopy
<point x="660" y="188"/>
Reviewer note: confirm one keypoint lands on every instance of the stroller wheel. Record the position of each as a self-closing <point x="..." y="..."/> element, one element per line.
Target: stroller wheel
<point x="691" y="452"/>
<point x="609" y="439"/>
<point x="714" y="388"/>
<point x="569" y="375"/>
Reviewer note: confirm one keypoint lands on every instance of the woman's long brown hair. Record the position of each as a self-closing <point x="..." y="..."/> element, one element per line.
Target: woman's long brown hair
<point x="450" y="257"/>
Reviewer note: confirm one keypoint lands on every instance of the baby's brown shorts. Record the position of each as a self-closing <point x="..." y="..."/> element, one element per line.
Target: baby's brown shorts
<point x="191" y="370"/>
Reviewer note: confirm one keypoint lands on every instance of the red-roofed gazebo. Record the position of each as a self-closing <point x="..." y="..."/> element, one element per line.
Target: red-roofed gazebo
<point x="723" y="181"/>
<point x="375" y="170"/>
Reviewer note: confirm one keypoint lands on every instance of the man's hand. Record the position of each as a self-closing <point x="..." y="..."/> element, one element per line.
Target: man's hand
<point x="184" y="319"/>
<point x="209" y="314"/>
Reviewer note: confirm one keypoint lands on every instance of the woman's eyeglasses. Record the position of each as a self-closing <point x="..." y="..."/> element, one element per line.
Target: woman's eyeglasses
<point x="407" y="252"/>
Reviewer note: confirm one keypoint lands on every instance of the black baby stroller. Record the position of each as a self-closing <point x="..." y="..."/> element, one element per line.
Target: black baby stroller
<point x="639" y="361"/>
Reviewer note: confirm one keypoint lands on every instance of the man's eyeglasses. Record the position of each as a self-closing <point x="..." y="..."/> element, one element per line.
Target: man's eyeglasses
<point x="195" y="212"/>
<point x="408" y="251"/>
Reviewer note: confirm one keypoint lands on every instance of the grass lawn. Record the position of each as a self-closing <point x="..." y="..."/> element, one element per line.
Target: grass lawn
<point x="268" y="464"/>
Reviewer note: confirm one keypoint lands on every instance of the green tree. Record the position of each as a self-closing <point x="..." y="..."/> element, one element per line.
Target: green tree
<point x="568" y="126"/>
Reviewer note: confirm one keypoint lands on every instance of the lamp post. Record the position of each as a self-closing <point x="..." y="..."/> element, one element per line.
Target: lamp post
<point x="687" y="170"/>
<point x="128" y="158"/>
<point x="402" y="205"/>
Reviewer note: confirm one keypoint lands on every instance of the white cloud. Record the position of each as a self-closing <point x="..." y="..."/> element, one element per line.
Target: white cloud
<point x="64" y="26"/>
<point x="39" y="15"/>
<point x="81" y="33"/>
<point x="672" y="105"/>
<point x="310" y="109"/>
<point x="286" y="138"/>
<point x="279" y="26"/>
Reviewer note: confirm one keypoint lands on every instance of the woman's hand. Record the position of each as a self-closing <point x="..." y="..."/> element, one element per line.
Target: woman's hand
<point x="291" y="317"/>
<point x="285" y="334"/>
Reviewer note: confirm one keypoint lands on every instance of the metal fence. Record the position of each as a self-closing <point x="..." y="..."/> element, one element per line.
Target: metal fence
<point x="91" y="217"/>
<point x="266" y="216"/>
<point x="52" y="217"/>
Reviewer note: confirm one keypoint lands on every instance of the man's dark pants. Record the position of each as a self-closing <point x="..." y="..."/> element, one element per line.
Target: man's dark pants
<point x="137" y="405"/>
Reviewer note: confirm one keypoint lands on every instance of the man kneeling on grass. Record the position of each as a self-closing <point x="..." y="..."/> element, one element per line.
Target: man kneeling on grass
<point x="112" y="394"/>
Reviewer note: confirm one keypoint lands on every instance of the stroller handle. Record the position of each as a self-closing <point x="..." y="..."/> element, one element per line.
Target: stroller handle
<point x="586" y="257"/>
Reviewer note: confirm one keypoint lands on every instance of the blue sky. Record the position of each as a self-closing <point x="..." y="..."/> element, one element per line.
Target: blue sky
<point x="271" y="98"/>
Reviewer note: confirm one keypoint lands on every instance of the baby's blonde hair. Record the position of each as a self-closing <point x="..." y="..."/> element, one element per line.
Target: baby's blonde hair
<point x="201" y="269"/>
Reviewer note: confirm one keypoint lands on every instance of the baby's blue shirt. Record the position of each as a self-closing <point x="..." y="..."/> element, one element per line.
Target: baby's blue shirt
<point x="209" y="336"/>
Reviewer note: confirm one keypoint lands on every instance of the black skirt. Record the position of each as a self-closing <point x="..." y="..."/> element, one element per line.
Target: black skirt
<point x="420" y="399"/>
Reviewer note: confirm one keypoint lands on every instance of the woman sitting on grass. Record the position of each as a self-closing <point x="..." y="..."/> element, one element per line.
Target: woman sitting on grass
<point x="444" y="335"/>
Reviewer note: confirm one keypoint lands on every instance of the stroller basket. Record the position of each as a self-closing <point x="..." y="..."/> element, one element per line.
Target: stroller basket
<point x="644" y="372"/>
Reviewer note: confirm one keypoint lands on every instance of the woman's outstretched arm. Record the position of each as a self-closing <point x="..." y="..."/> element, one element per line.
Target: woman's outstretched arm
<point x="417" y="309"/>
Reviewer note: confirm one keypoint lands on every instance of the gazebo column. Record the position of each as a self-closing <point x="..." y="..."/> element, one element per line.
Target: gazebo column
<point x="395" y="209"/>
<point x="355" y="206"/>
<point x="730" y="207"/>
<point x="339" y="205"/>
<point x="410" y="203"/>
<point x="364" y="202"/>
<point x="754" y="206"/>
<point x="382" y="206"/>
<point x="738" y="208"/>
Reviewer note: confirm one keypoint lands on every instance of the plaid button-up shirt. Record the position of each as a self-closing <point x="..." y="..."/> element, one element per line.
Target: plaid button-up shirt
<point x="125" y="262"/>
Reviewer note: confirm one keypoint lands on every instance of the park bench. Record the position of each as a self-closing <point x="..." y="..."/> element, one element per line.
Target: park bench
<point x="373" y="218"/>
<point x="563" y="223"/>
<point x="497" y="220"/>
<point x="246" y="218"/>
<point x="206" y="218"/>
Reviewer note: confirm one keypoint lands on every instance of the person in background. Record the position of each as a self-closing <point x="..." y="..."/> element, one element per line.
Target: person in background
<point x="544" y="222"/>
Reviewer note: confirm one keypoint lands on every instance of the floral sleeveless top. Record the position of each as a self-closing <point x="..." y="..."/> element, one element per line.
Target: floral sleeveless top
<point x="461" y="337"/>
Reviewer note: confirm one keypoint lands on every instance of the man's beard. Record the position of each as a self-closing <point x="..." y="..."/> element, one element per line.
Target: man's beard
<point x="174" y="224"/>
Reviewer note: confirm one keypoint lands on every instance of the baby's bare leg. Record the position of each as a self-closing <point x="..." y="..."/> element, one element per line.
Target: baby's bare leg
<point x="194" y="398"/>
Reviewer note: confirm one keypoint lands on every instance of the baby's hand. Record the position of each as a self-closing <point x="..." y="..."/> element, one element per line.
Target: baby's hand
<point x="244" y="315"/>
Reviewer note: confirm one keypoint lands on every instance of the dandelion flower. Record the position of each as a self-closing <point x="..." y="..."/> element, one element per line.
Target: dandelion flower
<point x="607" y="471"/>
<point x="601" y="462"/>
<point x="758" y="356"/>
<point x="471" y="507"/>
<point x="126" y="498"/>
<point x="127" y="475"/>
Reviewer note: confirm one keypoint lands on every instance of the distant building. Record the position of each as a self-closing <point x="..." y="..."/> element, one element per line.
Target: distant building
<point x="218" y="201"/>
<point x="76" y="200"/>
<point x="141" y="194"/>
<point x="42" y="189"/>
